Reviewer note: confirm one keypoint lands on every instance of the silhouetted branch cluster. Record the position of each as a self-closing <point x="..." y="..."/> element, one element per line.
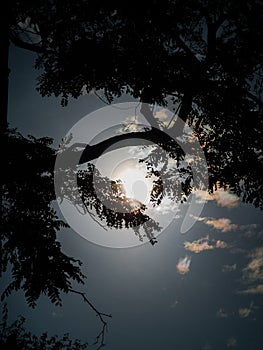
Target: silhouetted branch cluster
<point x="29" y="244"/>
<point x="16" y="337"/>
<point x="95" y="194"/>
<point x="29" y="222"/>
<point x="204" y="56"/>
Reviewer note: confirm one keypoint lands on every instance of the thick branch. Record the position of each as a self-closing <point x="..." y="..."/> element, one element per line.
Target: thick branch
<point x="75" y="155"/>
<point x="140" y="138"/>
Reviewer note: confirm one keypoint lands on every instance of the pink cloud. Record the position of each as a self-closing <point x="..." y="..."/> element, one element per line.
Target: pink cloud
<point x="244" y="312"/>
<point x="204" y="244"/>
<point x="221" y="244"/>
<point x="222" y="197"/>
<point x="198" y="245"/>
<point x="253" y="290"/>
<point x="226" y="199"/>
<point x="183" y="265"/>
<point x="222" y="224"/>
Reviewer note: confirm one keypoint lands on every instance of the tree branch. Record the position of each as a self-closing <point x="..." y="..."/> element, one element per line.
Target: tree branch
<point x="255" y="99"/>
<point x="101" y="336"/>
<point x="74" y="155"/>
<point x="26" y="45"/>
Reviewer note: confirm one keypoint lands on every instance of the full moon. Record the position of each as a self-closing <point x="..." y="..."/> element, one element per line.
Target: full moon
<point x="135" y="183"/>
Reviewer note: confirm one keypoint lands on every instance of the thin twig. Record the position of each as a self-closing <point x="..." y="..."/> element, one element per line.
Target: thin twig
<point x="101" y="336"/>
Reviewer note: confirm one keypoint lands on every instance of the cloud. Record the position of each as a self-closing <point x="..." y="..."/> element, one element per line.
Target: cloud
<point x="198" y="245"/>
<point x="55" y="314"/>
<point x="174" y="303"/>
<point x="253" y="273"/>
<point x="246" y="311"/>
<point x="183" y="265"/>
<point x="226" y="199"/>
<point x="222" y="197"/>
<point x="222" y="224"/>
<point x="221" y="244"/>
<point x="168" y="124"/>
<point x="131" y="124"/>
<point x="254" y="270"/>
<point x="229" y="268"/>
<point x="226" y="225"/>
<point x="231" y="342"/>
<point x="161" y="114"/>
<point x="204" y="244"/>
<point x="221" y="313"/>
<point x="203" y="196"/>
<point x="167" y="206"/>
<point x="258" y="289"/>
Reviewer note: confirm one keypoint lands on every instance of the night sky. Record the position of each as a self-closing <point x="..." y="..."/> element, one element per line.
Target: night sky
<point x="198" y="290"/>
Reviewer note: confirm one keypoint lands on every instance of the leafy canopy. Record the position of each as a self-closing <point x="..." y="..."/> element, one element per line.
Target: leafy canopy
<point x="29" y="223"/>
<point x="204" y="55"/>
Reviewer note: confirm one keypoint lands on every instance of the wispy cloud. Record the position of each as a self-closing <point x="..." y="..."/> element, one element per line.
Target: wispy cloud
<point x="253" y="273"/>
<point x="221" y="313"/>
<point x="55" y="314"/>
<point x="183" y="265"/>
<point x="254" y="270"/>
<point x="204" y="244"/>
<point x="231" y="342"/>
<point x="222" y="197"/>
<point x="244" y="312"/>
<point x="226" y="199"/>
<point x="229" y="268"/>
<point x="198" y="245"/>
<point x="225" y="224"/>
<point x="221" y="244"/>
<point x="161" y="114"/>
<point x="222" y="224"/>
<point x="173" y="304"/>
<point x="258" y="289"/>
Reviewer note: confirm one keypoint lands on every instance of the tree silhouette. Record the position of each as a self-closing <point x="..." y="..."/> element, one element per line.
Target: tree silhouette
<point x="206" y="56"/>
<point x="16" y="337"/>
<point x="29" y="225"/>
<point x="203" y="56"/>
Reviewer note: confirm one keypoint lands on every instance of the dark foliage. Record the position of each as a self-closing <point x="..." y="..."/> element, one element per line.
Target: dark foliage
<point x="204" y="55"/>
<point x="14" y="336"/>
<point x="29" y="223"/>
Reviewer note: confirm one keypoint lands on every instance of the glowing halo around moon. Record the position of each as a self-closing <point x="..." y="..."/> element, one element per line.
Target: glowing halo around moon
<point x="133" y="177"/>
<point x="122" y="163"/>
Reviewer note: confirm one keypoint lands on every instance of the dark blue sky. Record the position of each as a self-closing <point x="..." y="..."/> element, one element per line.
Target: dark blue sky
<point x="215" y="303"/>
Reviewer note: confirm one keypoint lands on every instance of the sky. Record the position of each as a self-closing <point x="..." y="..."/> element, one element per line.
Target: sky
<point x="202" y="289"/>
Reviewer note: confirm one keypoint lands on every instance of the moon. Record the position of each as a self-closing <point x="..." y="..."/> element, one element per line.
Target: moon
<point x="136" y="184"/>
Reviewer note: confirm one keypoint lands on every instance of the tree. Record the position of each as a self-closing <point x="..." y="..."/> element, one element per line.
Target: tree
<point x="16" y="337"/>
<point x="29" y="225"/>
<point x="204" y="55"/>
